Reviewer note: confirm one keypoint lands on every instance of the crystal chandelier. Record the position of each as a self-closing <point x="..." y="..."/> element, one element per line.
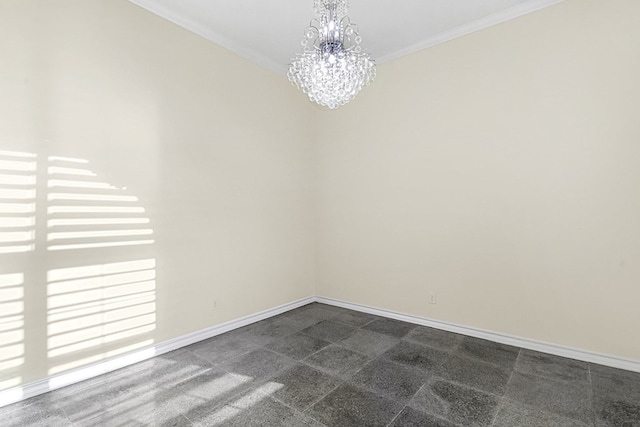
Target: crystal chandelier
<point x="332" y="67"/>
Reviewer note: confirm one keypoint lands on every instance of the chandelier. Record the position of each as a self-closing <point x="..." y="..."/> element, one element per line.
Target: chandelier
<point x="332" y="67"/>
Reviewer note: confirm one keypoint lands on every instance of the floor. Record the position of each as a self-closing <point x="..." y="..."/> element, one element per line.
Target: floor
<point x="326" y="366"/>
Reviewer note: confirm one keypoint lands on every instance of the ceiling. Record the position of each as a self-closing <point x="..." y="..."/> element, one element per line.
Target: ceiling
<point x="269" y="32"/>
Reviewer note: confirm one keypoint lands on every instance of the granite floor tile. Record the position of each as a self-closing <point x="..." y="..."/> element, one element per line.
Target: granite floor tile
<point x="162" y="371"/>
<point x="349" y="406"/>
<point x="558" y="397"/>
<point x="355" y="319"/>
<point x="258" y="365"/>
<point x="139" y="412"/>
<point x="214" y="387"/>
<point x="171" y="379"/>
<point x="295" y="321"/>
<point x="475" y="374"/>
<point x="185" y="404"/>
<point x="302" y="420"/>
<point x="163" y="363"/>
<point x="302" y="386"/>
<point x="395" y="328"/>
<point x="159" y="421"/>
<point x="150" y="368"/>
<point x="390" y="379"/>
<point x="329" y="331"/>
<point x="51" y="419"/>
<point x="418" y="356"/>
<point x="146" y="382"/>
<point x="617" y="413"/>
<point x="34" y="405"/>
<point x="266" y="331"/>
<point x="255" y="408"/>
<point x="369" y="343"/>
<point x="91" y="403"/>
<point x="37" y="414"/>
<point x="102" y="419"/>
<point x="456" y="403"/>
<point x="87" y="387"/>
<point x="324" y="366"/>
<point x="298" y="346"/>
<point x="615" y="383"/>
<point x="22" y="417"/>
<point x="410" y="417"/>
<point x="262" y="412"/>
<point x="130" y="409"/>
<point x="513" y="414"/>
<point x="180" y="421"/>
<point x="492" y="352"/>
<point x="434" y="338"/>
<point x="547" y="365"/>
<point x="616" y="397"/>
<point x="222" y="348"/>
<point x="337" y="361"/>
<point x="145" y="377"/>
<point x="316" y="311"/>
<point x="334" y="308"/>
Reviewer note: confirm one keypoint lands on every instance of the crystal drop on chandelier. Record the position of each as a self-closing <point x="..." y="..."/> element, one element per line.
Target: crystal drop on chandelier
<point x="332" y="67"/>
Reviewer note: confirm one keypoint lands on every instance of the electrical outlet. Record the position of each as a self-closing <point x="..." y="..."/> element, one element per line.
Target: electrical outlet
<point x="215" y="304"/>
<point x="432" y="298"/>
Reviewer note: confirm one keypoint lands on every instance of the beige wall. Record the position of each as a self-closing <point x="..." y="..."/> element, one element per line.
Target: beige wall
<point x="498" y="170"/>
<point x="501" y="171"/>
<point x="216" y="149"/>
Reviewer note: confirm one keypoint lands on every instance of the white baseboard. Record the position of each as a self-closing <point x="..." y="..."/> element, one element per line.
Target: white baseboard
<point x="54" y="382"/>
<point x="543" y="347"/>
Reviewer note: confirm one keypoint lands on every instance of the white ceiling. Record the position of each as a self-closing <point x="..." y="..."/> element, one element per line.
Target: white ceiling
<point x="269" y="32"/>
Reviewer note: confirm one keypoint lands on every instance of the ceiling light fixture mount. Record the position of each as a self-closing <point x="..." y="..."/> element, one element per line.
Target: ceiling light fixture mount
<point x="333" y="67"/>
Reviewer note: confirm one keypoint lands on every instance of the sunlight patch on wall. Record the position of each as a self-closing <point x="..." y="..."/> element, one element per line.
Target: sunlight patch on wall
<point x="108" y="308"/>
<point x="82" y="234"/>
<point x="11" y="329"/>
<point x="8" y="179"/>
<point x="17" y="208"/>
<point x="84" y="213"/>
<point x="95" y="311"/>
<point x="92" y="197"/>
<point x="68" y="160"/>
<point x="22" y="165"/>
<point x="53" y="170"/>
<point x="93" y="209"/>
<point x="17" y="202"/>
<point x="96" y="221"/>
<point x="52" y="183"/>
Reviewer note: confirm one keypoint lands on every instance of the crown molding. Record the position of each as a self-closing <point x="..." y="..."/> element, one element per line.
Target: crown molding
<point x="471" y="27"/>
<point x="253" y="56"/>
<point x="211" y="35"/>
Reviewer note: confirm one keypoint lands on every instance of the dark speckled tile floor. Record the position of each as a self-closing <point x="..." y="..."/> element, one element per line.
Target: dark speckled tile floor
<point x="326" y="366"/>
